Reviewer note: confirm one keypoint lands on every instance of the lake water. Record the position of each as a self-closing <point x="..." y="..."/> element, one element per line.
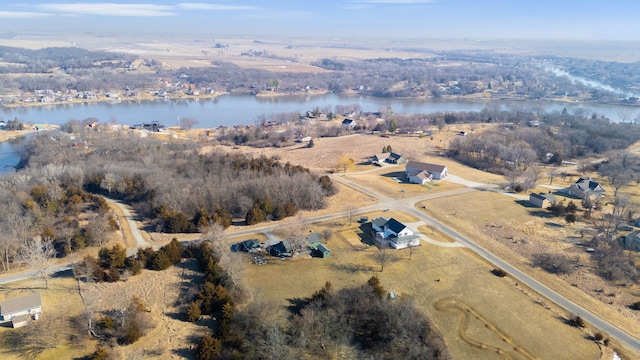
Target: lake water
<point x="243" y="109"/>
<point x="8" y="156"/>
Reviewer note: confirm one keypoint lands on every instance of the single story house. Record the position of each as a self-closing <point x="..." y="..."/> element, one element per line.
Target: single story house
<point x="542" y="200"/>
<point x="393" y="233"/>
<point x="584" y="188"/>
<point x="20" y="310"/>
<point x="631" y="242"/>
<point x="349" y="124"/>
<point x="390" y="158"/>
<point x="429" y="171"/>
<point x="302" y="139"/>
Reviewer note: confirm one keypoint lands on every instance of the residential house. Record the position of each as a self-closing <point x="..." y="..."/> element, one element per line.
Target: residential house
<point x="419" y="172"/>
<point x="542" y="200"/>
<point x="390" y="158"/>
<point x="250" y="245"/>
<point x="394" y="158"/>
<point x="283" y="248"/>
<point x="631" y="242"/>
<point x="349" y="124"/>
<point x="301" y="139"/>
<point x="393" y="233"/>
<point x="20" y="310"/>
<point x="585" y="188"/>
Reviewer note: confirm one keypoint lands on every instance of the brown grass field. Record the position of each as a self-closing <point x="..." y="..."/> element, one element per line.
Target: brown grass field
<point x="481" y="316"/>
<point x="502" y="311"/>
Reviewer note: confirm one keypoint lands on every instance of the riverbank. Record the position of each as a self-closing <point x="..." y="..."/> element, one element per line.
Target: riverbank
<point x="105" y="99"/>
<point x="6" y="135"/>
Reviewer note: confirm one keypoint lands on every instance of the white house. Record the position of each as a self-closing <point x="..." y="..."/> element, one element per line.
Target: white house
<point x="584" y="188"/>
<point x="393" y="233"/>
<point x="414" y="168"/>
<point x="19" y="310"/>
<point x="349" y="124"/>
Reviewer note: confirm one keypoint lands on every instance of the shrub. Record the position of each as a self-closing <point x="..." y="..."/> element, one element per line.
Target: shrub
<point x="208" y="348"/>
<point x="553" y="263"/>
<point x="578" y="322"/>
<point x="598" y="336"/>
<point x="101" y="353"/>
<point x="636" y="305"/>
<point x="193" y="311"/>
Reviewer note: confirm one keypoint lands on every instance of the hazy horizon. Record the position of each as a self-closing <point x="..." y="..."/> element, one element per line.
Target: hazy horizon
<point x="389" y="19"/>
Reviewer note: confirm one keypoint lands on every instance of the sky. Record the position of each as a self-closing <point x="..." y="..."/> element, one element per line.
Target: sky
<point x="610" y="20"/>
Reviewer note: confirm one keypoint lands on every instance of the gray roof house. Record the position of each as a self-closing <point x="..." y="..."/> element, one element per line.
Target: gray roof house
<point x="584" y="188"/>
<point x="542" y="200"/>
<point x="349" y="124"/>
<point x="20" y="310"/>
<point x="631" y="242"/>
<point x="389" y="158"/>
<point x="414" y="168"/>
<point x="393" y="233"/>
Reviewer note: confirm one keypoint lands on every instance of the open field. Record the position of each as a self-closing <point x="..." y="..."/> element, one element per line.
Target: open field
<point x="507" y="227"/>
<point x="503" y="311"/>
<point x="171" y="337"/>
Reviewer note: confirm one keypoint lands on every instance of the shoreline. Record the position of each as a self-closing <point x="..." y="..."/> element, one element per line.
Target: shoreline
<point x="8" y="135"/>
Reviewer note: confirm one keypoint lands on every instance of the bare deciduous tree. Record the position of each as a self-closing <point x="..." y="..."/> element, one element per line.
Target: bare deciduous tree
<point x="188" y="123"/>
<point x="37" y="254"/>
<point x="350" y="212"/>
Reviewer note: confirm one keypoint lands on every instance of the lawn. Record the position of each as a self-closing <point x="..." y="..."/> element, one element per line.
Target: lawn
<point x="504" y="315"/>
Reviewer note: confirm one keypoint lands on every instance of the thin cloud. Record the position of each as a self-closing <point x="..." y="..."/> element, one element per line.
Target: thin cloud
<point x="393" y="2"/>
<point x="110" y="9"/>
<point x="22" y="15"/>
<point x="214" y="7"/>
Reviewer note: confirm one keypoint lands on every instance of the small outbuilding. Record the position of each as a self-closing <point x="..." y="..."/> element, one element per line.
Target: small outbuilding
<point x="542" y="200"/>
<point x="322" y="251"/>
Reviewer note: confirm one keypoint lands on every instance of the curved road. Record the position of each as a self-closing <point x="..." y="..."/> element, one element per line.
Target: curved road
<point x="408" y="205"/>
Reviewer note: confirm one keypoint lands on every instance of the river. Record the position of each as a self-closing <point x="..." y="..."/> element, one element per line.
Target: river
<point x="231" y="110"/>
<point x="8" y="153"/>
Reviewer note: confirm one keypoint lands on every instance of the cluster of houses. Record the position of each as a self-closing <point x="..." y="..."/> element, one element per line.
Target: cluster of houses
<point x="310" y="244"/>
<point x="582" y="189"/>
<point x="19" y="311"/>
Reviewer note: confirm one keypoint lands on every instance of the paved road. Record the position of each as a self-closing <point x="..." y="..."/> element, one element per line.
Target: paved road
<point x="408" y="206"/>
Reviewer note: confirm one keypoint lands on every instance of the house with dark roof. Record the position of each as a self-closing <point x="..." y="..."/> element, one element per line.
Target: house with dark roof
<point x="349" y="124"/>
<point x="542" y="200"/>
<point x="250" y="245"/>
<point x="420" y="173"/>
<point x="585" y="188"/>
<point x="631" y="241"/>
<point x="393" y="233"/>
<point x="322" y="251"/>
<point x="389" y="158"/>
<point x="283" y="248"/>
<point x="20" y="310"/>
